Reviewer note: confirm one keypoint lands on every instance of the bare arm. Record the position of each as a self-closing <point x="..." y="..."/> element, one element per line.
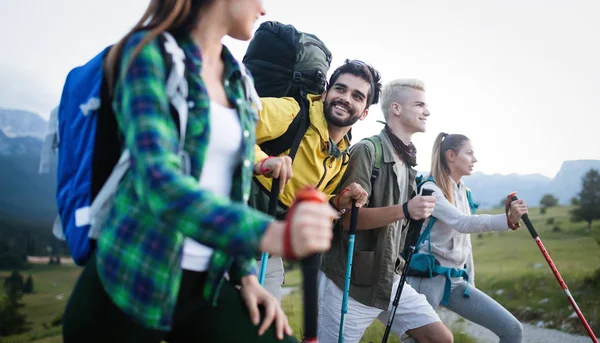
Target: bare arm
<point x="359" y="171"/>
<point x="373" y="218"/>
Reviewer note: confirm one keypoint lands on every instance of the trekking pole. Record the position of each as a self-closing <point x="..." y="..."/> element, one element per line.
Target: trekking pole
<point x="563" y="285"/>
<point x="310" y="267"/>
<point x="264" y="258"/>
<point x="414" y="225"/>
<point x="352" y="231"/>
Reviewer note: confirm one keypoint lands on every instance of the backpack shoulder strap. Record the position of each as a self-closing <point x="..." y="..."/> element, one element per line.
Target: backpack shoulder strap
<point x="249" y="88"/>
<point x="291" y="138"/>
<point x="50" y="143"/>
<point x="472" y="205"/>
<point x="296" y="131"/>
<point x="421" y="181"/>
<point x="176" y="84"/>
<point x="425" y="235"/>
<point x="177" y="90"/>
<point x="378" y="144"/>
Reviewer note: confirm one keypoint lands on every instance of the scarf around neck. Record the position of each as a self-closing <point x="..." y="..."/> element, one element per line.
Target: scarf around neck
<point x="408" y="153"/>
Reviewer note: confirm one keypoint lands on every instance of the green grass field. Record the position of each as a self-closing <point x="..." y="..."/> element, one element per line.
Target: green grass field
<point x="52" y="287"/>
<point x="508" y="266"/>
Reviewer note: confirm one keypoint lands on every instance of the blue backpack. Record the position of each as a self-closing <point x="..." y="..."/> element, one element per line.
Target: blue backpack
<point x="91" y="158"/>
<point x="426" y="265"/>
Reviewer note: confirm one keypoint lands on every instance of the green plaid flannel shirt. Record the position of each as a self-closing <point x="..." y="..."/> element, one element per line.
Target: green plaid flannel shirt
<point x="140" y="248"/>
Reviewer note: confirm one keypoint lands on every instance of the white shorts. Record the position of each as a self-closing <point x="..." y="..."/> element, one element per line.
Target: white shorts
<point x="413" y="312"/>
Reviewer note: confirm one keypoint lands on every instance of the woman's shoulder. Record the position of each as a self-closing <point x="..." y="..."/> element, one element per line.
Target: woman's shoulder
<point x="142" y="52"/>
<point x="427" y="180"/>
<point x="429" y="184"/>
<point x="138" y="37"/>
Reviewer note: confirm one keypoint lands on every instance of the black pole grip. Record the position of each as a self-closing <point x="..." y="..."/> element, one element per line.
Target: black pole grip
<point x="417" y="224"/>
<point x="526" y="220"/>
<point x="274" y="197"/>
<point x="310" y="266"/>
<point x="427" y="192"/>
<point x="353" y="218"/>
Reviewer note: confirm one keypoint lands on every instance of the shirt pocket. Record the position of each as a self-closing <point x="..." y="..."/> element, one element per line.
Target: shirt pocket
<point x="363" y="268"/>
<point x="456" y="251"/>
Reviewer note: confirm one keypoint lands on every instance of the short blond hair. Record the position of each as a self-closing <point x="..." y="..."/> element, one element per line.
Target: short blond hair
<point x="394" y="90"/>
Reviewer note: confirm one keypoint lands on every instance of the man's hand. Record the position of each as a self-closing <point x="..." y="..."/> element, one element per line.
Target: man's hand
<point x="276" y="168"/>
<point x="420" y="207"/>
<point x="254" y="295"/>
<point x="353" y="192"/>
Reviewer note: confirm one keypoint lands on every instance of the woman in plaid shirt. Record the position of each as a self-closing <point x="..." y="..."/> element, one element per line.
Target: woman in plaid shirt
<point x="175" y="245"/>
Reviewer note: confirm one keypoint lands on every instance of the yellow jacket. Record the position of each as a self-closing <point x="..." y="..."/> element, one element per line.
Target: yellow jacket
<point x="312" y="165"/>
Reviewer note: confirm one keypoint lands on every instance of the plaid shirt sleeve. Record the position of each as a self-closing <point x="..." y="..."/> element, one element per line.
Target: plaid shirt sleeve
<point x="242" y="267"/>
<point x="152" y="139"/>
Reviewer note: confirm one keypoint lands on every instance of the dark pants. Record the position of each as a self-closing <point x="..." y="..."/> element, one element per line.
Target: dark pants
<point x="91" y="316"/>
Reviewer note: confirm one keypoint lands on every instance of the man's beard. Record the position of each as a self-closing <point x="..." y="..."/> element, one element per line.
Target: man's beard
<point x="335" y="120"/>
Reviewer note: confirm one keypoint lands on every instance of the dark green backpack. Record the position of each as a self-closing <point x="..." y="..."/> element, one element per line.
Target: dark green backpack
<point x="285" y="62"/>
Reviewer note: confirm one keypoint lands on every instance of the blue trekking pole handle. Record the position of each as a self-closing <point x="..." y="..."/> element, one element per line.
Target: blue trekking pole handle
<point x="264" y="260"/>
<point x="352" y="231"/>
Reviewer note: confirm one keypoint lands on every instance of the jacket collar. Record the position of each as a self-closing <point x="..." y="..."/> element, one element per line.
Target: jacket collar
<point x="319" y="123"/>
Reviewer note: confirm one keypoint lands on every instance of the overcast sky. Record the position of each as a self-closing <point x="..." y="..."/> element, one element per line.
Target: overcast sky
<point x="529" y="69"/>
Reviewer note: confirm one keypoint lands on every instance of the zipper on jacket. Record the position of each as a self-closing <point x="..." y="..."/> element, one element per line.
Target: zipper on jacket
<point x="325" y="171"/>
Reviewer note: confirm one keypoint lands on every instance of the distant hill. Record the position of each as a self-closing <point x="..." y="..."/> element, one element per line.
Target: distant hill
<point x="488" y="190"/>
<point x="17" y="123"/>
<point x="24" y="191"/>
<point x="27" y="205"/>
<point x="567" y="182"/>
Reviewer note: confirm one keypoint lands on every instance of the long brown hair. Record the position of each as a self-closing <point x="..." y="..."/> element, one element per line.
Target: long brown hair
<point x="439" y="166"/>
<point x="175" y="16"/>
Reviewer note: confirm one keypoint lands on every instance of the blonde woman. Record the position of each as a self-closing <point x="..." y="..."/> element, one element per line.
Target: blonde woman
<point x="450" y="240"/>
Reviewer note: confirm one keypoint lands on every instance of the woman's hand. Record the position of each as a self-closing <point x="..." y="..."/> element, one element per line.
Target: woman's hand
<point x="311" y="231"/>
<point x="254" y="295"/>
<point x="517" y="209"/>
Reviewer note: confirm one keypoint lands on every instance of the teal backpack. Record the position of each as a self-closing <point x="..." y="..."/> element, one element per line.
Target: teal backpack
<point x="425" y="264"/>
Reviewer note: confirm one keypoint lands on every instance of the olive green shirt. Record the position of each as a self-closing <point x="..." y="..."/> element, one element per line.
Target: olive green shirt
<point x="376" y="252"/>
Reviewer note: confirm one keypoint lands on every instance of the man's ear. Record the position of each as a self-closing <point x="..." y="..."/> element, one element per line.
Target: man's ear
<point x="396" y="108"/>
<point x="364" y="114"/>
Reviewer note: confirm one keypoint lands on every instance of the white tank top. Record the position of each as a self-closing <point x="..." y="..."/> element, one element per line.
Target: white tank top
<point x="222" y="156"/>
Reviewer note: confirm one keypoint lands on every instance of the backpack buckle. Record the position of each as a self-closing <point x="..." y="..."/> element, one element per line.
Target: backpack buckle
<point x="297" y="76"/>
<point x="321" y="77"/>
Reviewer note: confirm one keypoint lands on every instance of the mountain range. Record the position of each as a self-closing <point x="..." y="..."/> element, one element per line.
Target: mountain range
<point x="27" y="195"/>
<point x="489" y="190"/>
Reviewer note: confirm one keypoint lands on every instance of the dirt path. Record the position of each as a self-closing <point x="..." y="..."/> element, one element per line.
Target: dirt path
<point x="531" y="333"/>
<point x="45" y="259"/>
